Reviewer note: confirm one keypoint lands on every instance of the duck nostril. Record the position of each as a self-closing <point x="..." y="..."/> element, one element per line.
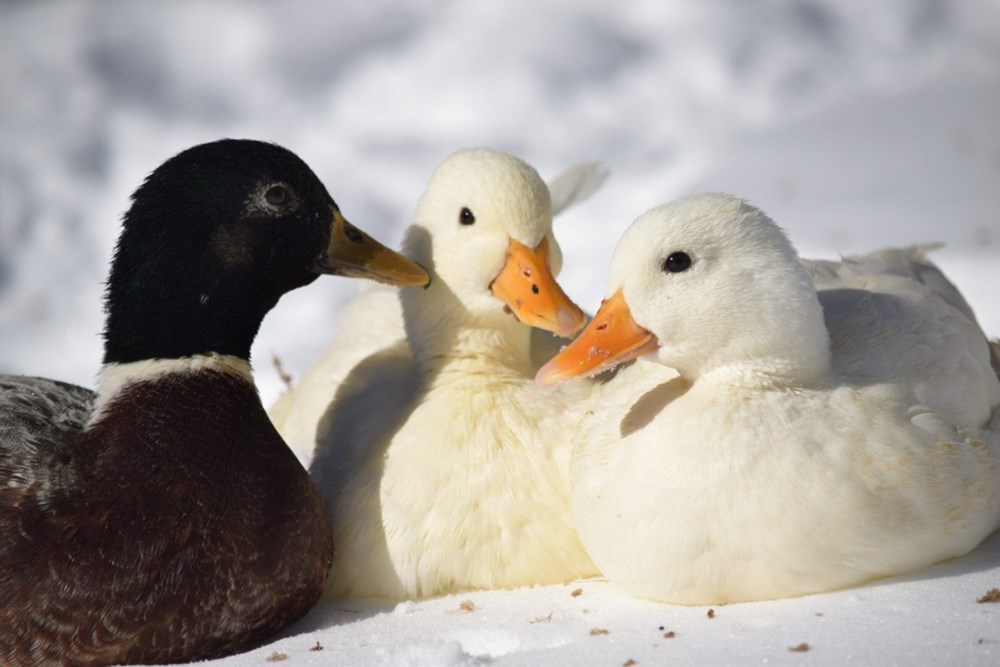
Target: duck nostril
<point x="352" y="233"/>
<point x="534" y="289"/>
<point x="602" y="326"/>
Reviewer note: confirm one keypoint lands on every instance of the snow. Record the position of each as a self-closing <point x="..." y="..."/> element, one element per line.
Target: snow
<point x="929" y="618"/>
<point x="855" y="124"/>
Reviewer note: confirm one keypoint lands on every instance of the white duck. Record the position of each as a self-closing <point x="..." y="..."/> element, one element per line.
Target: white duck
<point x="372" y="324"/>
<point x="436" y="455"/>
<point x="792" y="454"/>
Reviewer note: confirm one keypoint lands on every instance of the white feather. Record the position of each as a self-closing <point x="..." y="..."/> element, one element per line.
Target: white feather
<point x="114" y="377"/>
<point x="777" y="463"/>
<point x="445" y="467"/>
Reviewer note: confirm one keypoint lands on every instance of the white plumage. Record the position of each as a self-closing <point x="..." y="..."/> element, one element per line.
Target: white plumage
<point x="811" y="440"/>
<point x="372" y="323"/>
<point x="436" y="452"/>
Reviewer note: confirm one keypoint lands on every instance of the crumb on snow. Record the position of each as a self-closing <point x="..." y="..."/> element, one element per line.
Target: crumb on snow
<point x="992" y="595"/>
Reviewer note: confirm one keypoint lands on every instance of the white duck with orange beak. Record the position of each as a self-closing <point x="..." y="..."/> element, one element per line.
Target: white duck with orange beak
<point x="371" y="324"/>
<point x="811" y="440"/>
<point x="435" y="454"/>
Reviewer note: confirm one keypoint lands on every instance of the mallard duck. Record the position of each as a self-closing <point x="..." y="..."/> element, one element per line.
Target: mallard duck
<point x="434" y="450"/>
<point x="810" y="441"/>
<point x="163" y="519"/>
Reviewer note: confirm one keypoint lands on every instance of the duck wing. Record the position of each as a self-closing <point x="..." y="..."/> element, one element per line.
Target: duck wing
<point x="368" y="325"/>
<point x="38" y="418"/>
<point x="908" y="262"/>
<point x="576" y="184"/>
<point x="894" y="316"/>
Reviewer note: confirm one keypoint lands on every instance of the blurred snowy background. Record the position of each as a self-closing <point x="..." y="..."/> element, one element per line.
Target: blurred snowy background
<point x="855" y="124"/>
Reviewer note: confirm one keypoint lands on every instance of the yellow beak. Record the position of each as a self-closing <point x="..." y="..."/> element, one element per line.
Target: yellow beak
<point x="353" y="253"/>
<point x="528" y="288"/>
<point x="612" y="337"/>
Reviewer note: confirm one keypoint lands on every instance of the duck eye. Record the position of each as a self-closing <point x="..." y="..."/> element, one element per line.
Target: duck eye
<point x="466" y="217"/>
<point x="676" y="262"/>
<point x="277" y="196"/>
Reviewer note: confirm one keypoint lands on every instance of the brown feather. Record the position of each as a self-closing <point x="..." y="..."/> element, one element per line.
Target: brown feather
<point x="180" y="527"/>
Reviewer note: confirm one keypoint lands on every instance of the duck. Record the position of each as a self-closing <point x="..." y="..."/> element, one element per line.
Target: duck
<point x="809" y="440"/>
<point x="433" y="452"/>
<point x="371" y="323"/>
<point x="161" y="518"/>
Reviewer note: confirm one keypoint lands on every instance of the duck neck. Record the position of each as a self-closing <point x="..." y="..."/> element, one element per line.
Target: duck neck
<point x="166" y="300"/>
<point x="180" y="324"/>
<point x="446" y="336"/>
<point x="785" y="343"/>
<point x="768" y="373"/>
<point x="115" y="379"/>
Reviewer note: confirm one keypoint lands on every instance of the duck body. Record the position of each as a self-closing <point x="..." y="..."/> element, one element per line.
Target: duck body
<point x="162" y="519"/>
<point x="808" y="441"/>
<point x="755" y="493"/>
<point x="451" y="484"/>
<point x="434" y="452"/>
<point x="191" y="562"/>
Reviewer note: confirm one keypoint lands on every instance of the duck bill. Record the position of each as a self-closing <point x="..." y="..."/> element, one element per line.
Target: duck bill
<point x="612" y="337"/>
<point x="354" y="254"/>
<point x="531" y="292"/>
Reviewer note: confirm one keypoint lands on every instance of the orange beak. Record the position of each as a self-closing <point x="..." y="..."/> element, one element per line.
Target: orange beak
<point x="528" y="288"/>
<point x="611" y="338"/>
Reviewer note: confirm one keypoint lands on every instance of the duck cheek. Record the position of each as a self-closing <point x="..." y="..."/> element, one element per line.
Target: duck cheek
<point x="612" y="337"/>
<point x="529" y="290"/>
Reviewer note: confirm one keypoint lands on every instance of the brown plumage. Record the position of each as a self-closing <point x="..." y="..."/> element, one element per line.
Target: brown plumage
<point x="185" y="503"/>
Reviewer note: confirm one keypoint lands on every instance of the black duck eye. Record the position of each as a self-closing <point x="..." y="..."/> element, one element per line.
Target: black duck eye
<point x="676" y="262"/>
<point x="466" y="217"/>
<point x="277" y="195"/>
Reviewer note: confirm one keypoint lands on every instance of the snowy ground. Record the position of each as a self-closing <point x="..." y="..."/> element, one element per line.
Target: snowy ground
<point x="931" y="618"/>
<point x="855" y="124"/>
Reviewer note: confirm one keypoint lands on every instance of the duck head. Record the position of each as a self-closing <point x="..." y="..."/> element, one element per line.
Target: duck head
<point x="704" y="283"/>
<point x="483" y="227"/>
<point x="212" y="240"/>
